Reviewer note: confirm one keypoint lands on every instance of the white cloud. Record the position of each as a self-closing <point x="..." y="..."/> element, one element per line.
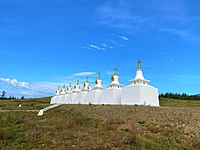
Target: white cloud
<point x="123" y="37"/>
<point x="118" y="16"/>
<point x="105" y="45"/>
<point x="14" y="82"/>
<point x="86" y="47"/>
<point x="185" y="34"/>
<point x="163" y="53"/>
<point x="108" y="72"/>
<point x="96" y="47"/>
<point x="115" y="42"/>
<point x="84" y="74"/>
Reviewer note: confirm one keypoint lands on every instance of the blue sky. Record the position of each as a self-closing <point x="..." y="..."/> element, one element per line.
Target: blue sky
<point x="44" y="44"/>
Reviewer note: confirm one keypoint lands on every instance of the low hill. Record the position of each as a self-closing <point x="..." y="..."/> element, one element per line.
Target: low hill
<point x="175" y="126"/>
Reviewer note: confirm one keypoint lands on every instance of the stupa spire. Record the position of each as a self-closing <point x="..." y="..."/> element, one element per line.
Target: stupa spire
<point x="86" y="80"/>
<point x="139" y="78"/>
<point x="139" y="64"/>
<point x="77" y="83"/>
<point x="115" y="71"/>
<point x="99" y="76"/>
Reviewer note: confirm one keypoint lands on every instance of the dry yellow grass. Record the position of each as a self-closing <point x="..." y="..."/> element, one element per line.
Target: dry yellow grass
<point x="103" y="127"/>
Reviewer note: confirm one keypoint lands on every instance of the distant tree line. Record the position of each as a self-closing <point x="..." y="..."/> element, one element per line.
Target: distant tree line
<point x="3" y="96"/>
<point x="182" y="96"/>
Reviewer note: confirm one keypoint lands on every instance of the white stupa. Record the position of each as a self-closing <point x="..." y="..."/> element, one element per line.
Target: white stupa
<point x="69" y="89"/>
<point x="112" y="95"/>
<point x="58" y="91"/>
<point x="139" y="92"/>
<point x="98" y="84"/>
<point x="67" y="100"/>
<point x="62" y="95"/>
<point x="55" y="98"/>
<point x="76" y="92"/>
<point x="70" y="95"/>
<point x="82" y="96"/>
<point x="93" y="97"/>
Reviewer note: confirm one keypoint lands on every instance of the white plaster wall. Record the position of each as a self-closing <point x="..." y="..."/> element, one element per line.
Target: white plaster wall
<point x="76" y="97"/>
<point x="111" y="96"/>
<point x="93" y="97"/>
<point x="70" y="99"/>
<point x="97" y="96"/>
<point x="82" y="98"/>
<point x="61" y="99"/>
<point x="58" y="99"/>
<point x="130" y="95"/>
<point x="140" y="95"/>
<point x="65" y="99"/>
<point x="116" y="97"/>
<point x="90" y="97"/>
<point x="52" y="100"/>
<point x="149" y="96"/>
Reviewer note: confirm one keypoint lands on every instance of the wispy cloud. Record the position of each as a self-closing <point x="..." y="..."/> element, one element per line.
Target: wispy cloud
<point x="108" y="72"/>
<point x="116" y="16"/>
<point x="107" y="46"/>
<point x="36" y="89"/>
<point x="14" y="82"/>
<point x="96" y="47"/>
<point x="7" y="20"/>
<point x="163" y="53"/>
<point x="115" y="42"/>
<point x="185" y="34"/>
<point x="41" y="89"/>
<point x="84" y="74"/>
<point x="86" y="47"/>
<point x="123" y="37"/>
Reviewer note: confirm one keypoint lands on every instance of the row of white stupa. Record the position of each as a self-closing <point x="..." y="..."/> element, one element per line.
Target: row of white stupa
<point x="137" y="93"/>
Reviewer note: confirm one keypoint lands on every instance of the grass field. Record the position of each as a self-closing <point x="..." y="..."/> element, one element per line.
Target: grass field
<point x="175" y="125"/>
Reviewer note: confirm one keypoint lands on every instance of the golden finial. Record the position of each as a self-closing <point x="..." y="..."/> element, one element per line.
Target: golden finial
<point x="77" y="82"/>
<point x="99" y="76"/>
<point x="139" y="64"/>
<point x="115" y="71"/>
<point x="70" y="84"/>
<point x="86" y="80"/>
<point x="63" y="86"/>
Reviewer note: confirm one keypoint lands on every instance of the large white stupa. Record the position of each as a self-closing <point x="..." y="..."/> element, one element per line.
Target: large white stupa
<point x="112" y="94"/>
<point x="139" y="92"/>
<point x="82" y="95"/>
<point x="93" y="97"/>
